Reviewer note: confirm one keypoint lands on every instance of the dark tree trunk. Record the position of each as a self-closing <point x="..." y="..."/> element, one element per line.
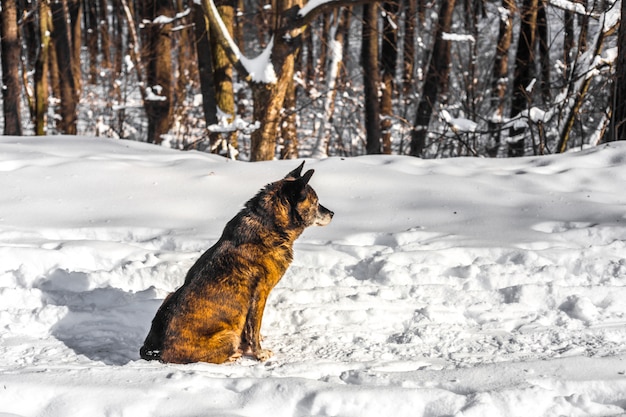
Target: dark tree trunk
<point x="524" y="72"/>
<point x="105" y="37"/>
<point x="618" y="121"/>
<point x="42" y="66"/>
<point x="500" y="74"/>
<point x="157" y="60"/>
<point x="75" y="10"/>
<point x="436" y="81"/>
<point x="223" y="69"/>
<point x="369" y="61"/>
<point x="92" y="31"/>
<point x="64" y="61"/>
<point x="544" y="51"/>
<point x="389" y="56"/>
<point x="205" y="66"/>
<point x="10" y="47"/>
<point x="408" y="51"/>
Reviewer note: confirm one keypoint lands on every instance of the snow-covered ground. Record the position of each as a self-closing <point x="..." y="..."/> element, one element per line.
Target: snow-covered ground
<point x="461" y="287"/>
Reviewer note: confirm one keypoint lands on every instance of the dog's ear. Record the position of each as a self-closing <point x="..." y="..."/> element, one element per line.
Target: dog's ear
<point x="307" y="176"/>
<point x="295" y="187"/>
<point x="295" y="174"/>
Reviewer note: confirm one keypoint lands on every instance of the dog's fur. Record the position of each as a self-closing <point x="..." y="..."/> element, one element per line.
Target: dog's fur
<point x="215" y="316"/>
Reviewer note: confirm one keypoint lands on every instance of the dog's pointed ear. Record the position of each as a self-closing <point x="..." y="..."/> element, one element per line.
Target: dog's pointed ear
<point x="295" y="174"/>
<point x="295" y="188"/>
<point x="307" y="177"/>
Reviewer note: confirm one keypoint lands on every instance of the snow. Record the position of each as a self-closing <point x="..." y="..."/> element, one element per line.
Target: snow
<point x="311" y="5"/>
<point x="457" y="37"/>
<point x="461" y="287"/>
<point x="260" y="68"/>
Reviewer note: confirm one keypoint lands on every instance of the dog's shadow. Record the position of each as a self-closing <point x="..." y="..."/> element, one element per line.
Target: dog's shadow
<point x="107" y="325"/>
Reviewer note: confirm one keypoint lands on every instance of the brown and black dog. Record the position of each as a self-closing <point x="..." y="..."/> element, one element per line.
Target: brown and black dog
<point x="215" y="316"/>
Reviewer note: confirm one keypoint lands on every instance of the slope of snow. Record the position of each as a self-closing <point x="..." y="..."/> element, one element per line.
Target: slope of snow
<point x="464" y="287"/>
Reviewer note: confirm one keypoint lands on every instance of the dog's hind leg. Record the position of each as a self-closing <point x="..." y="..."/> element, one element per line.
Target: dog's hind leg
<point x="217" y="348"/>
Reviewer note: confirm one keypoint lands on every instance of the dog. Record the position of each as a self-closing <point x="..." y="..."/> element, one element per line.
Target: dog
<point x="215" y="316"/>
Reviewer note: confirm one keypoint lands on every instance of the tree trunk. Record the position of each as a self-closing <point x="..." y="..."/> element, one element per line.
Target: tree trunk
<point x="369" y="62"/>
<point x="64" y="60"/>
<point x="42" y="66"/>
<point x="436" y="81"/>
<point x="75" y="10"/>
<point x="91" y="24"/>
<point x="524" y="73"/>
<point x="618" y="120"/>
<point x="389" y="58"/>
<point x="408" y="51"/>
<point x="156" y="56"/>
<point x="288" y="131"/>
<point x="544" y="51"/>
<point x="339" y="30"/>
<point x="269" y="97"/>
<point x="500" y="74"/>
<point x="223" y="70"/>
<point x="10" y="47"/>
<point x="105" y="39"/>
<point x="205" y="66"/>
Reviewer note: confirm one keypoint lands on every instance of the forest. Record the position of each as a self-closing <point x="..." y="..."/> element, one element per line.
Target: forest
<point x="294" y="78"/>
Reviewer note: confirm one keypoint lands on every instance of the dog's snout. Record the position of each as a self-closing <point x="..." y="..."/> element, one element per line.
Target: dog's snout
<point x="323" y="216"/>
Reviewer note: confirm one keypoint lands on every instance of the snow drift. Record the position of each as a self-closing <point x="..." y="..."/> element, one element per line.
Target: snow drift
<point x="465" y="287"/>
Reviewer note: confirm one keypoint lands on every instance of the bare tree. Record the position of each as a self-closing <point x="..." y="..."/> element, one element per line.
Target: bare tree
<point x="42" y="65"/>
<point x="618" y="120"/>
<point x="64" y="57"/>
<point x="501" y="73"/>
<point x="389" y="57"/>
<point x="436" y="81"/>
<point x="369" y="62"/>
<point x="270" y="81"/>
<point x="156" y="56"/>
<point x="10" y="68"/>
<point x="524" y="72"/>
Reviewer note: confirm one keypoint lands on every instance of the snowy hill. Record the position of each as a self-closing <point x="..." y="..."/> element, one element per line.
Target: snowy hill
<point x="465" y="287"/>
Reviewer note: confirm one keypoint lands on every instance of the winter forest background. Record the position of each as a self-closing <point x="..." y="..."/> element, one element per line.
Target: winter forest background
<point x="289" y="78"/>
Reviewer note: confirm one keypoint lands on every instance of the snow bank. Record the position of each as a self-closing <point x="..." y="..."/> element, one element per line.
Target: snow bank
<point x="464" y="287"/>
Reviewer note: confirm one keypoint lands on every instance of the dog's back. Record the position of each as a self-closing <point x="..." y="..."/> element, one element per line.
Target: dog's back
<point x="216" y="314"/>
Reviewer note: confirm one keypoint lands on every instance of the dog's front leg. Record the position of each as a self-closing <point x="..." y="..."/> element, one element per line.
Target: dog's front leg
<point x="251" y="336"/>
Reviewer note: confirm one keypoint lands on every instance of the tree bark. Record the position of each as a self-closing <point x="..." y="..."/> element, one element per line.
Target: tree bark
<point x="369" y="62"/>
<point x="156" y="56"/>
<point x="436" y="81"/>
<point x="500" y="74"/>
<point x="91" y="23"/>
<point x="618" y="120"/>
<point x="65" y="66"/>
<point x="524" y="72"/>
<point x="408" y="50"/>
<point x="389" y="56"/>
<point x="10" y="47"/>
<point x="205" y="66"/>
<point x="42" y="65"/>
<point x="223" y="69"/>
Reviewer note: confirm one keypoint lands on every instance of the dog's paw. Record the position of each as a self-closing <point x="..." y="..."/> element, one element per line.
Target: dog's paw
<point x="235" y="356"/>
<point x="263" y="354"/>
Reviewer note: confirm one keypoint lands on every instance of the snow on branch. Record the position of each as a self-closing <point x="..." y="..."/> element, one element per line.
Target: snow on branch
<point x="314" y="8"/>
<point x="457" y="37"/>
<point x="570" y="6"/>
<point x="164" y="20"/>
<point x="259" y="69"/>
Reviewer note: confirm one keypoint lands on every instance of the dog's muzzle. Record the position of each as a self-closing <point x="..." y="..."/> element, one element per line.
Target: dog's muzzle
<point x="323" y="217"/>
